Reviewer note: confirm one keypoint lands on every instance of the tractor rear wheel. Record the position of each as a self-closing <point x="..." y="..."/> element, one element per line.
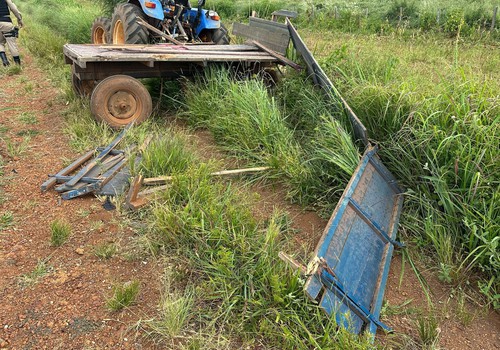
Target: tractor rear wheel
<point x="101" y="31"/>
<point x="124" y="26"/>
<point x="119" y="100"/>
<point x="221" y="36"/>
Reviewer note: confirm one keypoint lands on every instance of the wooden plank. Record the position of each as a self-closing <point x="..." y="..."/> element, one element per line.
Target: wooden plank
<point x="285" y="13"/>
<point x="165" y="179"/>
<point x="83" y="54"/>
<point x="199" y="57"/>
<point x="149" y="191"/>
<point x="274" y="40"/>
<point x="279" y="57"/>
<point x="269" y="25"/>
<point x="132" y="201"/>
<point x="85" y="179"/>
<point x="157" y="31"/>
<point x="69" y="169"/>
<point x="94" y="173"/>
<point x="180" y="53"/>
<point x="96" y="48"/>
<point x="294" y="264"/>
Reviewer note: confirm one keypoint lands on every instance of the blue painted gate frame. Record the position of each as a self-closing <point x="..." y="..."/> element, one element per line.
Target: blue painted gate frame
<point x="354" y="254"/>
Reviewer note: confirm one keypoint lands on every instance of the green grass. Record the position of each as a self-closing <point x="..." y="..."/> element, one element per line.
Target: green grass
<point x="105" y="251"/>
<point x="123" y="296"/>
<point x="13" y="69"/>
<point x="242" y="284"/>
<point x="60" y="230"/>
<point x="17" y="149"/>
<point x="166" y="155"/>
<point x="176" y="309"/>
<point x="29" y="279"/>
<point x="428" y="331"/>
<point x="6" y="220"/>
<point x="28" y="118"/>
<point x="250" y="124"/>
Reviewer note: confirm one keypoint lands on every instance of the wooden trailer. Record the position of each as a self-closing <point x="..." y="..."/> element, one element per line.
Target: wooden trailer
<point x="109" y="73"/>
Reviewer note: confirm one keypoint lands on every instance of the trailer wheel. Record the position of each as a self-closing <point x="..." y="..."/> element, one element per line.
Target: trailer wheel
<point x="124" y="26"/>
<point x="119" y="100"/>
<point x="221" y="36"/>
<point x="101" y="31"/>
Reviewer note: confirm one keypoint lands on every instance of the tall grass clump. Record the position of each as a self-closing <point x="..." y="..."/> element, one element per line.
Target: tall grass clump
<point x="249" y="123"/>
<point x="166" y="155"/>
<point x="71" y="19"/>
<point x="242" y="286"/>
<point x="60" y="231"/>
<point x="400" y="16"/>
<point x="243" y="9"/>
<point x="124" y="295"/>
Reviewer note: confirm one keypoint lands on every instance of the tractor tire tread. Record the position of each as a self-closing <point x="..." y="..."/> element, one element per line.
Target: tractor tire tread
<point x="134" y="32"/>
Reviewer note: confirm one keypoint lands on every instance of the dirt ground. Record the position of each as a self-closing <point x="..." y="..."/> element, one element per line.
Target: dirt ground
<point x="66" y="308"/>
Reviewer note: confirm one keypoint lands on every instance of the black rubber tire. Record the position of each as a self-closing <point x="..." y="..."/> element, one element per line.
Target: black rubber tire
<point x="221" y="36"/>
<point x="101" y="31"/>
<point x="124" y="26"/>
<point x="119" y="100"/>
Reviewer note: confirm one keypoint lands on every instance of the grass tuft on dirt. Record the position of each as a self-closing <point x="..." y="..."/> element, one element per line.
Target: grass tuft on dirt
<point x="123" y="296"/>
<point x="60" y="230"/>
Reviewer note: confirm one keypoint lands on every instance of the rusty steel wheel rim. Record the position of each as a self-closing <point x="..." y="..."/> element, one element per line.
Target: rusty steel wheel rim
<point x="99" y="36"/>
<point x="118" y="33"/>
<point x="124" y="107"/>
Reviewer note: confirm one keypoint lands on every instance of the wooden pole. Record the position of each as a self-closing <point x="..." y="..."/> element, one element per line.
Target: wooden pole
<point x="165" y="179"/>
<point x="494" y="18"/>
<point x="141" y="22"/>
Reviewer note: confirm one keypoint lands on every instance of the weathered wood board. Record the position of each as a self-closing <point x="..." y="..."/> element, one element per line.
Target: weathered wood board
<point x="83" y="54"/>
<point x="272" y="37"/>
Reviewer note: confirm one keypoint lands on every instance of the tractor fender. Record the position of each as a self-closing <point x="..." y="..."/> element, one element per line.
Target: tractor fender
<point x="205" y="22"/>
<point x="156" y="12"/>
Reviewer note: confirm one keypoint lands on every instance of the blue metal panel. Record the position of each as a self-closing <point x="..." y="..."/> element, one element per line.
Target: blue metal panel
<point x="356" y="247"/>
<point x="157" y="12"/>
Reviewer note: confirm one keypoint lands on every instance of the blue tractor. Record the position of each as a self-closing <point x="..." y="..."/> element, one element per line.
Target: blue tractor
<point x="176" y="19"/>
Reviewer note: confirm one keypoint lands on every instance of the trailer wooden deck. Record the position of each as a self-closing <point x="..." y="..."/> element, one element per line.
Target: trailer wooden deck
<point x="97" y="62"/>
<point x="107" y="73"/>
